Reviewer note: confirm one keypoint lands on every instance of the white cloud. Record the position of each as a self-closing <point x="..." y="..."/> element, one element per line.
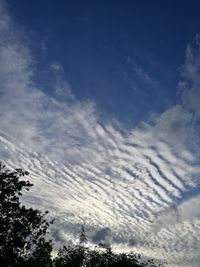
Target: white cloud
<point x="88" y="170"/>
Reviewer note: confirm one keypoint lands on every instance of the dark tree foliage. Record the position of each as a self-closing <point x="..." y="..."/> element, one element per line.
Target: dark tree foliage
<point x="73" y="256"/>
<point x="22" y="230"/>
<point x="70" y="256"/>
<point x="80" y="256"/>
<point x="82" y="236"/>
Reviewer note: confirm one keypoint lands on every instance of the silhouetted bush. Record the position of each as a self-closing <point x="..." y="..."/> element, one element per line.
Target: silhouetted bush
<point x="22" y="230"/>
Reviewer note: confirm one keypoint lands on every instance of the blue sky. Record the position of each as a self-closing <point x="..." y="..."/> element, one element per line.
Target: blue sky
<point x="99" y="101"/>
<point x="125" y="56"/>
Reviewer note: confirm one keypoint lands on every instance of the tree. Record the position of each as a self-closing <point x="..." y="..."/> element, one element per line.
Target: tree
<point x="73" y="256"/>
<point x="82" y="236"/>
<point x="70" y="256"/>
<point x="22" y="230"/>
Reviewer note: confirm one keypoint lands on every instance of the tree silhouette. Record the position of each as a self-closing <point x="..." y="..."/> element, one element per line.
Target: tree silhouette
<point x="82" y="236"/>
<point x="22" y="230"/>
<point x="70" y="256"/>
<point x="73" y="256"/>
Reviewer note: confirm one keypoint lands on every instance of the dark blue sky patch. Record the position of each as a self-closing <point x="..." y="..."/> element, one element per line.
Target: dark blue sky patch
<point x="124" y="56"/>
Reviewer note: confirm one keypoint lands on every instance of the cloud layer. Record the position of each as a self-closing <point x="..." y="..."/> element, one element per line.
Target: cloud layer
<point x="135" y="187"/>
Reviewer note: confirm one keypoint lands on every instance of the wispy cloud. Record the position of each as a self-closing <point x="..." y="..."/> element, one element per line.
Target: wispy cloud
<point x="191" y="80"/>
<point x="86" y="170"/>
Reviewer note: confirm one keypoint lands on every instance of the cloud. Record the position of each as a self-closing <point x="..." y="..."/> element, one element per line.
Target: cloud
<point x="190" y="83"/>
<point x="57" y="67"/>
<point x="102" y="235"/>
<point x="85" y="169"/>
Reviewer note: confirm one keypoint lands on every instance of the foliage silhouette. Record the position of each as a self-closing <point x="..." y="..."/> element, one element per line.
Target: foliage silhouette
<point x="22" y="230"/>
<point x="82" y="236"/>
<point x="80" y="256"/>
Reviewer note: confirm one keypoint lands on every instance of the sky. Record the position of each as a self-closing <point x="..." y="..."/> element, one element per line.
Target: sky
<point x="100" y="102"/>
